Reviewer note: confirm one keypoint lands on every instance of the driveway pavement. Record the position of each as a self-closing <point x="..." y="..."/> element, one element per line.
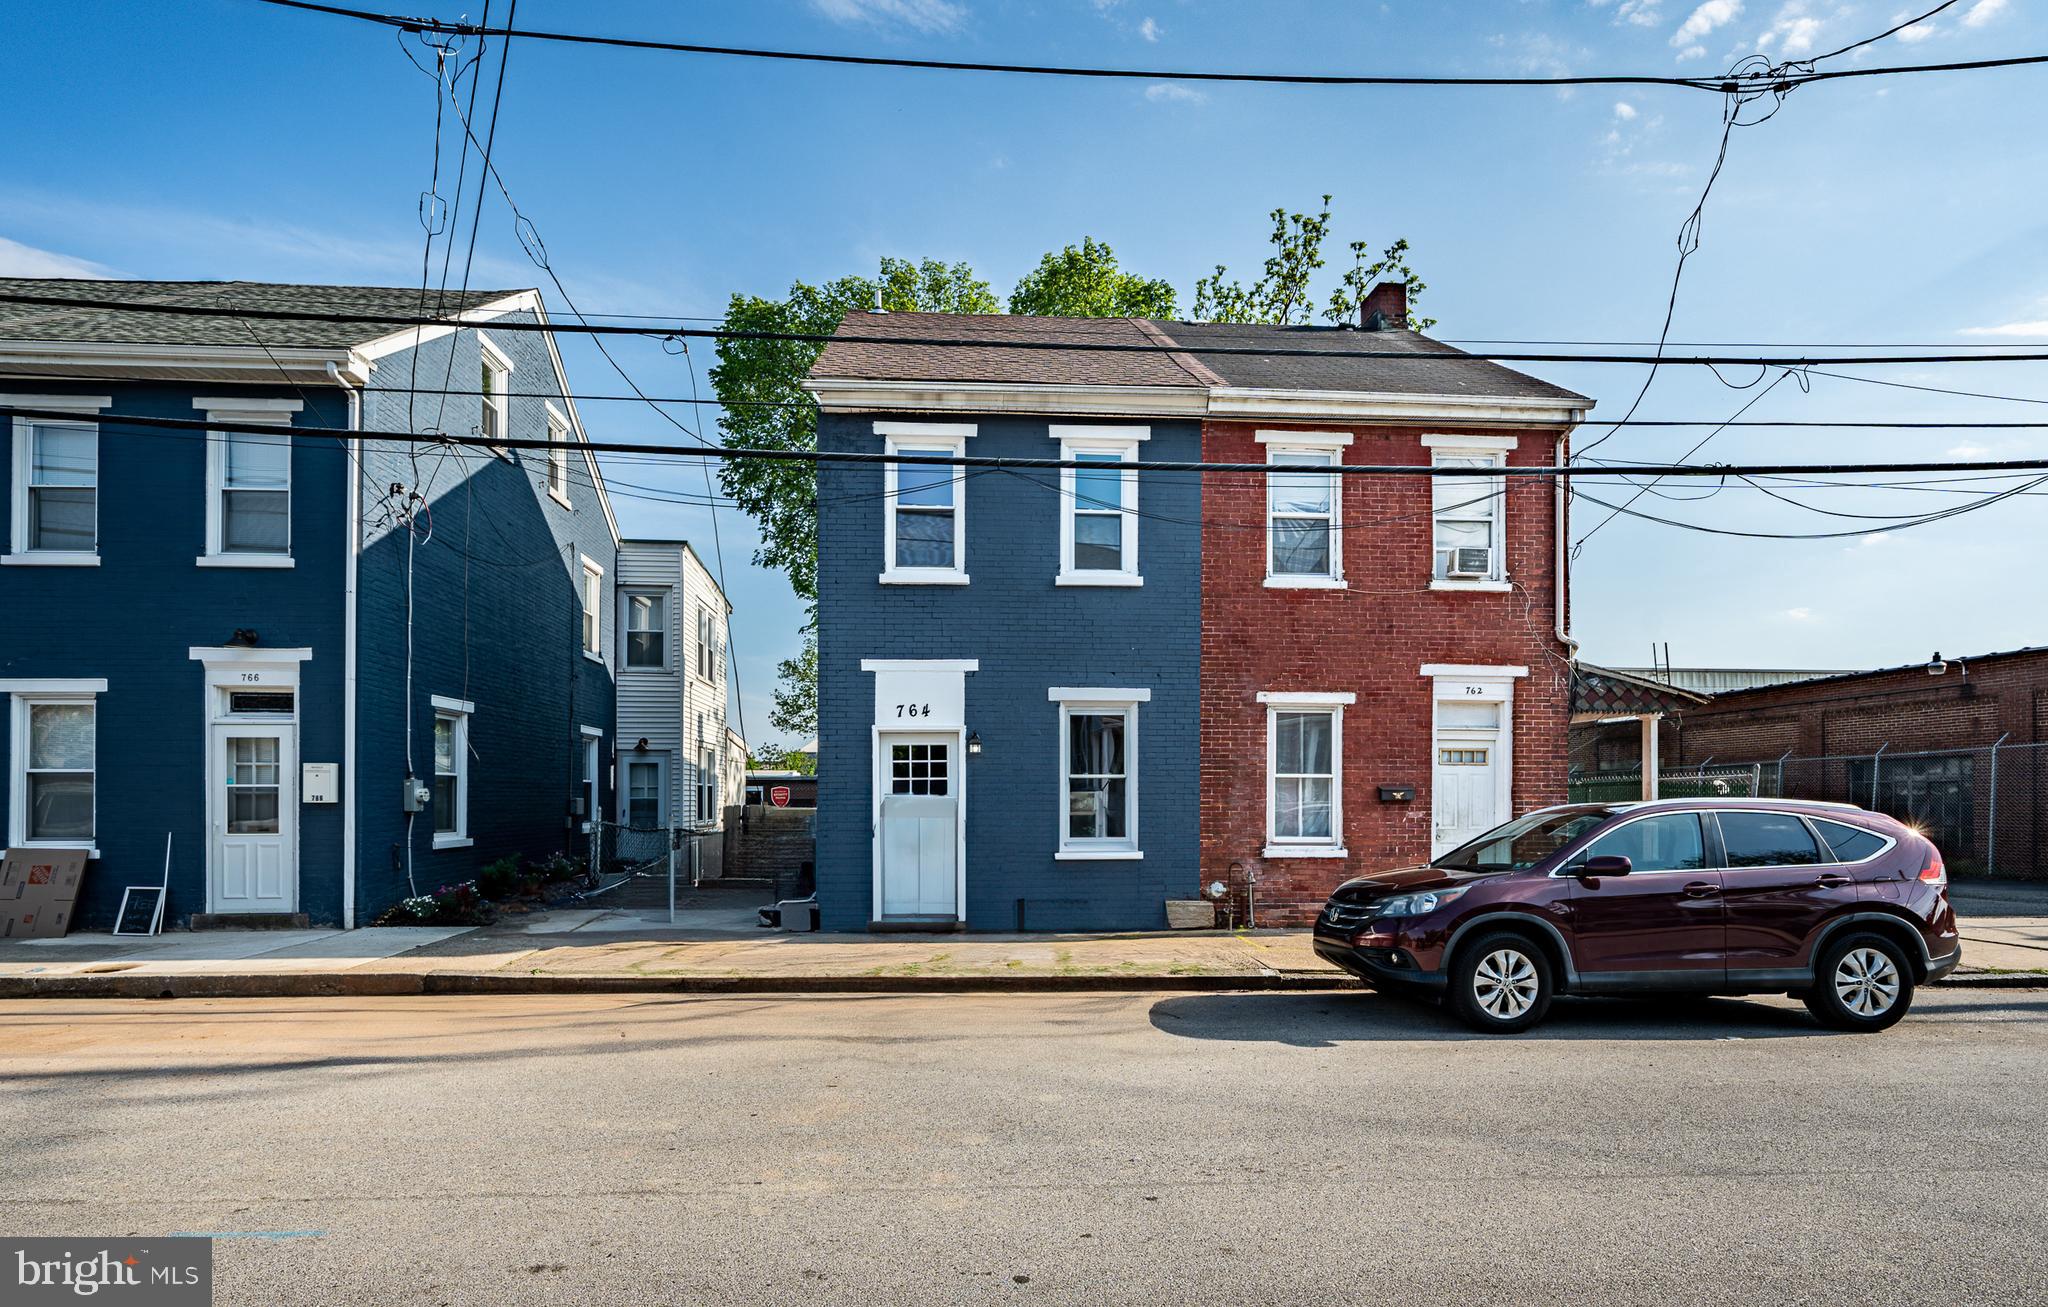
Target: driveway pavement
<point x="1186" y="1149"/>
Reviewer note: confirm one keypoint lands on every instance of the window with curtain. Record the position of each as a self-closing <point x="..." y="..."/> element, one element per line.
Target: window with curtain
<point x="1301" y="515"/>
<point x="646" y="630"/>
<point x="1304" y="776"/>
<point x="593" y="609"/>
<point x="1099" y="797"/>
<point x="644" y="793"/>
<point x="63" y="469"/>
<point x="1466" y="516"/>
<point x="59" y="766"/>
<point x="451" y="771"/>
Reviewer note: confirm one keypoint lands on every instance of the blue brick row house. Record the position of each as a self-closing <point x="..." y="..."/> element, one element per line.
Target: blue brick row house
<point x="332" y="670"/>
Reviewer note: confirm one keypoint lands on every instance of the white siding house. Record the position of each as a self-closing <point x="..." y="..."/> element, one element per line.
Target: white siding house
<point x="672" y="628"/>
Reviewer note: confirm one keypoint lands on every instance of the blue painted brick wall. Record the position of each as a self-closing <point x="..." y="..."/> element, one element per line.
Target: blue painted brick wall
<point x="1028" y="635"/>
<point x="133" y="619"/>
<point x="496" y="621"/>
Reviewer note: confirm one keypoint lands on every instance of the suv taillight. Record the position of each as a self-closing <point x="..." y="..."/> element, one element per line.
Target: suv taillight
<point x="1932" y="871"/>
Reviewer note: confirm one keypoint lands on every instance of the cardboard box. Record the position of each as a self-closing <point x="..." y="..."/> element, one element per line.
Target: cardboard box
<point x="42" y="875"/>
<point x="19" y="920"/>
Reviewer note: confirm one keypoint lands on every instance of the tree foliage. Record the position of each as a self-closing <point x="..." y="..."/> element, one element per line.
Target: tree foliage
<point x="1281" y="296"/>
<point x="796" y="694"/>
<point x="1087" y="283"/>
<point x="760" y="385"/>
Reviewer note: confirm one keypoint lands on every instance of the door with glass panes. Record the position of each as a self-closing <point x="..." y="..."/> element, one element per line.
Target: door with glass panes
<point x="920" y="827"/>
<point x="254" y="805"/>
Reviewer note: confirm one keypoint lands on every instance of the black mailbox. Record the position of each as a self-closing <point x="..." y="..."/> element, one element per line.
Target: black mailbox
<point x="1397" y="794"/>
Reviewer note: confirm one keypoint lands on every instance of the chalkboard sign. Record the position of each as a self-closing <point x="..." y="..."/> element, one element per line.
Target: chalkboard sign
<point x="142" y="910"/>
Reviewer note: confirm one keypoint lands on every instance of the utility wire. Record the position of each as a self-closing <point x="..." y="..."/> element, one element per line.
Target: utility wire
<point x="1714" y="84"/>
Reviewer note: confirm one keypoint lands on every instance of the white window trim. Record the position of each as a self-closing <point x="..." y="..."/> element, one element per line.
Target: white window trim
<point x="22" y="694"/>
<point x="591" y="569"/>
<point x="703" y="651"/>
<point x="626" y="596"/>
<point x="659" y="760"/>
<point x="1122" y="442"/>
<point x="1280" y="444"/>
<point x="896" y="436"/>
<point x="1333" y="702"/>
<point x="558" y="459"/>
<point x="87" y="407"/>
<point x="1494" y="449"/>
<point x="502" y="362"/>
<point x="267" y="412"/>
<point x="458" y="711"/>
<point x="1096" y="699"/>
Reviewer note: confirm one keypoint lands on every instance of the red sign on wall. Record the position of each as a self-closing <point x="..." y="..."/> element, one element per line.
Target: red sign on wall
<point x="779" y="796"/>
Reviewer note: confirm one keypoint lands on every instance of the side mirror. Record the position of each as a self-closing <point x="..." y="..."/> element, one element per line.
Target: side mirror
<point x="1607" y="864"/>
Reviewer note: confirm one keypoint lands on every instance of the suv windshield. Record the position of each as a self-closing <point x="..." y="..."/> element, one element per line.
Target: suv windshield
<point x="1523" y="842"/>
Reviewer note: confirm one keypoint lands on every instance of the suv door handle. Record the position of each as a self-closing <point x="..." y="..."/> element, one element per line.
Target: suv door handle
<point x="1700" y="889"/>
<point x="1834" y="880"/>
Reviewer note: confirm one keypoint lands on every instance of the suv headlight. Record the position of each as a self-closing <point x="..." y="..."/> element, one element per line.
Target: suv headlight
<point x="1417" y="905"/>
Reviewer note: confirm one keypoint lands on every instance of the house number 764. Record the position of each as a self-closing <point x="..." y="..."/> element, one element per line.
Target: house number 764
<point x="913" y="710"/>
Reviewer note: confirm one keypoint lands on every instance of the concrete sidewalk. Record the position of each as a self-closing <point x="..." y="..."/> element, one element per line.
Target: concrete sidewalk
<point x="715" y="951"/>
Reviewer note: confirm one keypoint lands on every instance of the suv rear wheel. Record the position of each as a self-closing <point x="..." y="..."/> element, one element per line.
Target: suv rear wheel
<point x="1862" y="983"/>
<point x="1500" y="983"/>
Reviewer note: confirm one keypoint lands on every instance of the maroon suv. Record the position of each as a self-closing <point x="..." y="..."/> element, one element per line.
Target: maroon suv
<point x="1844" y="908"/>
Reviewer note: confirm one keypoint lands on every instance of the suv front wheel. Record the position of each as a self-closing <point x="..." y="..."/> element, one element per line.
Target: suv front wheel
<point x="1862" y="983"/>
<point x="1500" y="984"/>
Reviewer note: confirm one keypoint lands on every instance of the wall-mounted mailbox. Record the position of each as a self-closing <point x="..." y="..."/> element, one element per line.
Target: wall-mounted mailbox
<point x="319" y="782"/>
<point x="1397" y="794"/>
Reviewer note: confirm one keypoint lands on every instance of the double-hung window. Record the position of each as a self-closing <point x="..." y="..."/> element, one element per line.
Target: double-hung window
<point x="56" y="478"/>
<point x="1099" y="505"/>
<point x="1098" y="772"/>
<point x="707" y="644"/>
<point x="494" y="388"/>
<point x="646" y="792"/>
<point x="924" y="515"/>
<point x="249" y="483"/>
<point x="646" y="629"/>
<point x="558" y="456"/>
<point x="1305" y="773"/>
<point x="593" y="610"/>
<point x="451" y="772"/>
<point x="54" y="750"/>
<point x="1304" y="509"/>
<point x="707" y="785"/>
<point x="1467" y="513"/>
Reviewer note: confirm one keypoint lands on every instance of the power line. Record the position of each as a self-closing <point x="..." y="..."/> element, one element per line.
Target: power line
<point x="1070" y="346"/>
<point x="1787" y="79"/>
<point x="849" y="457"/>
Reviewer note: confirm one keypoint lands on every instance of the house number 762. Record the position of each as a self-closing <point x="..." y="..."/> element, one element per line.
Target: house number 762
<point x="913" y="710"/>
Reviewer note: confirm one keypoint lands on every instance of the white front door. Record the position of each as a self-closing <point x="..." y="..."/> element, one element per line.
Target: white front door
<point x="1467" y="796"/>
<point x="253" y="810"/>
<point x="920" y="826"/>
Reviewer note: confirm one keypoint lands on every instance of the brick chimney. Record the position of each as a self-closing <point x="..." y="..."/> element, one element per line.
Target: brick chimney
<point x="1387" y="301"/>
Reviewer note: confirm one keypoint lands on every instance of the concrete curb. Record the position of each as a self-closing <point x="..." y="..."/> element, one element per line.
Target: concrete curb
<point x="360" y="984"/>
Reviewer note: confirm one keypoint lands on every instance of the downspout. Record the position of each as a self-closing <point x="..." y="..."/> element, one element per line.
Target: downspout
<point x="348" y="678"/>
<point x="1562" y="603"/>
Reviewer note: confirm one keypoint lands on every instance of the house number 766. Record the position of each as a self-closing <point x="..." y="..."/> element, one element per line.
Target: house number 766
<point x="913" y="710"/>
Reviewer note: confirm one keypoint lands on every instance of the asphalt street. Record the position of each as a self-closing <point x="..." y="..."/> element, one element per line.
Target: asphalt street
<point x="1159" y="1149"/>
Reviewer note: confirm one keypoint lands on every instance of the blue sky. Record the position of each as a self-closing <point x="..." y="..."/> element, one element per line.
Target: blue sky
<point x="223" y="138"/>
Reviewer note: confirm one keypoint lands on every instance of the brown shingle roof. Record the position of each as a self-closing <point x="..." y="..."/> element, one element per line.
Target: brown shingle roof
<point x="130" y="327"/>
<point x="861" y="351"/>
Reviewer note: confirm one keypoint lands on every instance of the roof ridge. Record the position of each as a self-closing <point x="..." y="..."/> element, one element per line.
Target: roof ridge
<point x="1189" y="364"/>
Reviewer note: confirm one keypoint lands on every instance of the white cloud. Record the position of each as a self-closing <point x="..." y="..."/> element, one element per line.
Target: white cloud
<point x="18" y="260"/>
<point x="1799" y="614"/>
<point x="2010" y="329"/>
<point x="1173" y="93"/>
<point x="1792" y="31"/>
<point x="1624" y="110"/>
<point x="921" y="15"/>
<point x="1872" y="540"/>
<point x="1983" y="12"/>
<point x="1969" y="451"/>
<point x="1917" y="32"/>
<point x="1692" y="52"/>
<point x="1640" y="13"/>
<point x="1706" y="18"/>
<point x="1150" y="29"/>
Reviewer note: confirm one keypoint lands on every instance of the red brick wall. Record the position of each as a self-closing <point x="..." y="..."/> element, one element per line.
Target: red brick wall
<point x="1371" y="639"/>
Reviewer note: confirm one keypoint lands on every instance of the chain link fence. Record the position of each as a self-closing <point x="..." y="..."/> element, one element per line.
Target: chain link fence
<point x="1985" y="808"/>
<point x="645" y="866"/>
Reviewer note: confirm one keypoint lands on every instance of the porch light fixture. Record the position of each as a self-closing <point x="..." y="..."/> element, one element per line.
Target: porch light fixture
<point x="974" y="744"/>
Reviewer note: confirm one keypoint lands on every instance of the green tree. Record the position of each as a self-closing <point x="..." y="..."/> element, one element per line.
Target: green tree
<point x="760" y="385"/>
<point x="1282" y="295"/>
<point x="796" y="696"/>
<point x="1087" y="283"/>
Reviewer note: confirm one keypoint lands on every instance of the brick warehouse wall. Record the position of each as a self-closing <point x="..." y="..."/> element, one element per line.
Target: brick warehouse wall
<point x="1371" y="639"/>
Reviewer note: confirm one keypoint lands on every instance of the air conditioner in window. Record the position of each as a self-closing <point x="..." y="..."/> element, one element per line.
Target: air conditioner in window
<point x="1471" y="564"/>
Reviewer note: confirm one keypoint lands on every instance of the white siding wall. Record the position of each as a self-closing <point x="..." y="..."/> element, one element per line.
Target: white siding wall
<point x="662" y="706"/>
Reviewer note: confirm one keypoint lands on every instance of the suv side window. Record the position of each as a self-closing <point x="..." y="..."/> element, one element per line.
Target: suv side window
<point x="1850" y="843"/>
<point x="1767" y="839"/>
<point x="1666" y="843"/>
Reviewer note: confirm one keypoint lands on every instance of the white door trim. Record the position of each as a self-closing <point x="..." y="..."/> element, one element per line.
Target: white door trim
<point x="229" y="667"/>
<point x="957" y="772"/>
<point x="1472" y="684"/>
